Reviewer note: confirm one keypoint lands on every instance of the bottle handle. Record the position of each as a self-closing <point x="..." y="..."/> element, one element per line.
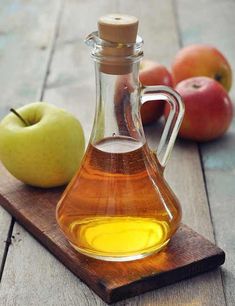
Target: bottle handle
<point x="174" y="120"/>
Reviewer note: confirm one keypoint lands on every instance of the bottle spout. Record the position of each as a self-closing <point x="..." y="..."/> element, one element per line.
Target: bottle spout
<point x="91" y="39"/>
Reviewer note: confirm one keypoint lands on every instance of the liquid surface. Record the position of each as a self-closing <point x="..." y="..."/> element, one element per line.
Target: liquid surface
<point x="118" y="205"/>
<point x="119" y="145"/>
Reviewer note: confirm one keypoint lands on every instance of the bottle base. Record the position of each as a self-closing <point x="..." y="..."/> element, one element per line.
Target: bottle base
<point x="119" y="238"/>
<point x="119" y="257"/>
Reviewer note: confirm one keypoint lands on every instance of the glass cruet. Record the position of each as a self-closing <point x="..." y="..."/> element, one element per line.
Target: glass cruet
<point x="118" y="206"/>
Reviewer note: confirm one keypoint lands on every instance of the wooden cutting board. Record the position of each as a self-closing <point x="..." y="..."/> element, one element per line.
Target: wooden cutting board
<point x="187" y="255"/>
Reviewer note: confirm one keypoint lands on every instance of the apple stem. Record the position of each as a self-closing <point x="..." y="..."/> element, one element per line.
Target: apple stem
<point x="19" y="116"/>
<point x="196" y="86"/>
<point x="218" y="77"/>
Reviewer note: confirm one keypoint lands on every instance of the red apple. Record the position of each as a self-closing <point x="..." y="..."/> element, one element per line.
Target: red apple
<point x="153" y="73"/>
<point x="202" y="60"/>
<point x="208" y="109"/>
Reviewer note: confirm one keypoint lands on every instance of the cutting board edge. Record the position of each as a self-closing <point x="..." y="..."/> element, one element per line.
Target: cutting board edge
<point x="212" y="262"/>
<point x="111" y="295"/>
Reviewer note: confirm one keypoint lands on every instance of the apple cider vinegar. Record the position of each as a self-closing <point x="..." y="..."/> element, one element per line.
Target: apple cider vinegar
<point x="118" y="206"/>
<point x="115" y="207"/>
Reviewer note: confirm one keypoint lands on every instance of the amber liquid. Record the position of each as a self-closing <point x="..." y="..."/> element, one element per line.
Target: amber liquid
<point x="118" y="206"/>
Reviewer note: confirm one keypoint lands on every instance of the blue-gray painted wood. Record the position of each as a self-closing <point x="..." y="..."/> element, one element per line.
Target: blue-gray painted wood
<point x="213" y="22"/>
<point x="32" y="276"/>
<point x="26" y="32"/>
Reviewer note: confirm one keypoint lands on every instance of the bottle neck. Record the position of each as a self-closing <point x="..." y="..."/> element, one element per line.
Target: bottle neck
<point x="117" y="105"/>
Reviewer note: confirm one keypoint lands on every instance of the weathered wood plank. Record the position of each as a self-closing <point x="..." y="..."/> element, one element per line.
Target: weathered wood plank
<point x="183" y="172"/>
<point x="217" y="29"/>
<point x="26" y="32"/>
<point x="72" y="89"/>
<point x="5" y="231"/>
<point x="25" y="38"/>
<point x="32" y="276"/>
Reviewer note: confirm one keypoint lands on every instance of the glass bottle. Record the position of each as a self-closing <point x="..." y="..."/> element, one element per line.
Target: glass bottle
<point x="118" y="207"/>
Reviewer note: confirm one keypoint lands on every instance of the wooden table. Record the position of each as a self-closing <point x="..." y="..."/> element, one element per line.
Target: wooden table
<point x="43" y="57"/>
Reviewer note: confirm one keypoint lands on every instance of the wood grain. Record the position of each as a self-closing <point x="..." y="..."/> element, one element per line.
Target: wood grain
<point x="25" y="45"/>
<point x="5" y="221"/>
<point x="217" y="156"/>
<point x="28" y="264"/>
<point x="187" y="255"/>
<point x="71" y="85"/>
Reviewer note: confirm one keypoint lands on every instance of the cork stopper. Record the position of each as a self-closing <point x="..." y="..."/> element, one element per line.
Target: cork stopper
<point x="121" y="29"/>
<point x="118" y="28"/>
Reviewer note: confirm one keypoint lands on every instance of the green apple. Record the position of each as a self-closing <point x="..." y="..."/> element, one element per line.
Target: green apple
<point x="46" y="149"/>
